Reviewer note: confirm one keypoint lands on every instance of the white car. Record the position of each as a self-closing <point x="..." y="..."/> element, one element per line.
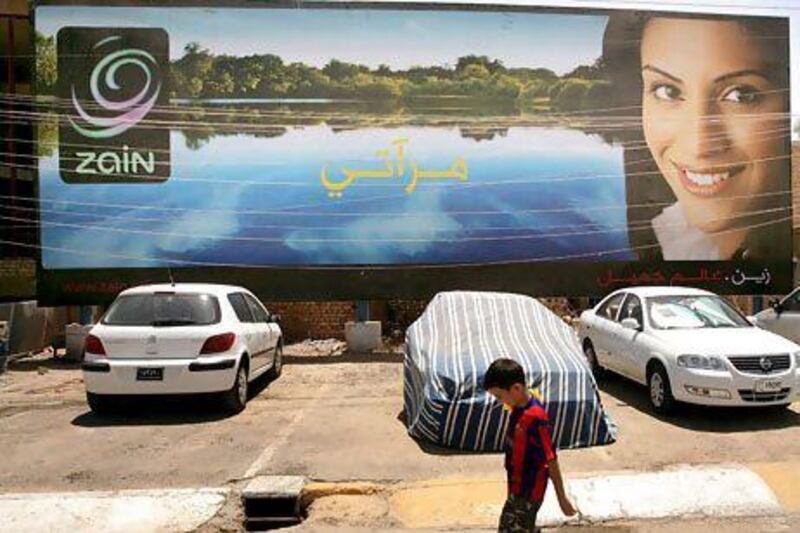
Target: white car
<point x="181" y="339"/>
<point x="782" y="317"/>
<point x="691" y="346"/>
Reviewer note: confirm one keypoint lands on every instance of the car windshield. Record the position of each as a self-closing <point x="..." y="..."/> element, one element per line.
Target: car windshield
<point x="693" y="312"/>
<point x="163" y="309"/>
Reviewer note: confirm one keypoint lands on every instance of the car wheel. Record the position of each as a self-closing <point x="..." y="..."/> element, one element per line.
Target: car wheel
<point x="100" y="404"/>
<point x="591" y="357"/>
<point x="235" y="399"/>
<point x="660" y="391"/>
<point x="277" y="367"/>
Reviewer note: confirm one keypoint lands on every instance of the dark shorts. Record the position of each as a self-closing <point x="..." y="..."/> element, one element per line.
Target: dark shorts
<point x="518" y="516"/>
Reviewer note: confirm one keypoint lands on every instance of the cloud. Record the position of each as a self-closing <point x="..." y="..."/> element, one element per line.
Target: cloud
<point x="428" y="223"/>
<point x="115" y="245"/>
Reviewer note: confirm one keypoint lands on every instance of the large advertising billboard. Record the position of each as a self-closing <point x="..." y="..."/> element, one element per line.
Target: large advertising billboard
<point x="394" y="150"/>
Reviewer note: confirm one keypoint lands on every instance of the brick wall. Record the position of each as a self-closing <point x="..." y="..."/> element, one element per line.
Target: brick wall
<point x="17" y="279"/>
<point x="322" y="320"/>
<point x="312" y="320"/>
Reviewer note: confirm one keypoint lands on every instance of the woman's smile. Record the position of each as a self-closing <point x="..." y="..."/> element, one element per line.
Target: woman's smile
<point x="706" y="181"/>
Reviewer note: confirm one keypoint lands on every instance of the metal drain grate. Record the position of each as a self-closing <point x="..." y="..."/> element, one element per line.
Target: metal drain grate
<point x="272" y="502"/>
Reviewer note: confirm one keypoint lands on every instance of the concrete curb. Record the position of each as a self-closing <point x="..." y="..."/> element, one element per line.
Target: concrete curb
<point x="110" y="511"/>
<point x="681" y="492"/>
<point x="458" y="503"/>
<point x="685" y="492"/>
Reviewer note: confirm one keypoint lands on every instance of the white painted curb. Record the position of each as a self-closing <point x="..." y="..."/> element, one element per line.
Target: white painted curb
<point x="684" y="492"/>
<point x="110" y="511"/>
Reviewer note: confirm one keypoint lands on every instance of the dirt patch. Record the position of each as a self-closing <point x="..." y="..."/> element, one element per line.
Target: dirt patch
<point x="229" y="518"/>
<point x="349" y="511"/>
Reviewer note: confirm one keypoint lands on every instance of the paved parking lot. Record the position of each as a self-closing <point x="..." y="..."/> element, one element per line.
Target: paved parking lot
<point x="330" y="419"/>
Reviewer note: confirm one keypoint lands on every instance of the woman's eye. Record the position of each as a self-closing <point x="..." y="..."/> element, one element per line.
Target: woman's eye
<point x="742" y="95"/>
<point x="666" y="92"/>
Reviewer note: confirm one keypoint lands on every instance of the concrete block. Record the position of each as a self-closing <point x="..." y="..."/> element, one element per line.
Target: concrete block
<point x="363" y="336"/>
<point x="263" y="487"/>
<point x="76" y="337"/>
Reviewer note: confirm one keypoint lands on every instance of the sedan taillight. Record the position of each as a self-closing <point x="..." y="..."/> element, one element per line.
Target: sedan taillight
<point x="218" y="343"/>
<point x="94" y="345"/>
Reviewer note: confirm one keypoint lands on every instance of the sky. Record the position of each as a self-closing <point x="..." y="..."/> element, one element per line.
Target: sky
<point x="405" y="38"/>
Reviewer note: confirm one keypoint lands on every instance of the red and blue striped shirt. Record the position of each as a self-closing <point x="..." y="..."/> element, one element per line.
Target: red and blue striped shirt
<point x="528" y="448"/>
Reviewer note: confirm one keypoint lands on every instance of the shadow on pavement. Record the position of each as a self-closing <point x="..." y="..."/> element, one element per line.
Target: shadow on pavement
<point x="699" y="417"/>
<point x="345" y="358"/>
<point x="433" y="449"/>
<point x="34" y="364"/>
<point x="164" y="410"/>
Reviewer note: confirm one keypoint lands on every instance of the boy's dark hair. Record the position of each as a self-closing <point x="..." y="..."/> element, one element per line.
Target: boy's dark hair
<point x="502" y="374"/>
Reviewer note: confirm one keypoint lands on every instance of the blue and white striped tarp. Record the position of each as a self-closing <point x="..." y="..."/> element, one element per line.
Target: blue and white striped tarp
<point x="449" y="348"/>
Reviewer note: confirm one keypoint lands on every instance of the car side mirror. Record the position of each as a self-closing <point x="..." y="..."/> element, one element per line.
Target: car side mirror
<point x="631" y="323"/>
<point x="275" y="318"/>
<point x="776" y="305"/>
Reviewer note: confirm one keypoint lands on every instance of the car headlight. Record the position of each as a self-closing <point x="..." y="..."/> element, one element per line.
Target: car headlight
<point x="702" y="362"/>
<point x="797" y="359"/>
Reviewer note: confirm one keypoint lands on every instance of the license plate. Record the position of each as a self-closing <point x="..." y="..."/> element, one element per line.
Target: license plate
<point x="149" y="374"/>
<point x="768" y="385"/>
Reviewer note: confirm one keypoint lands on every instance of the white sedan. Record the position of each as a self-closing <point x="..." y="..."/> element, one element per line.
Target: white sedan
<point x="691" y="346"/>
<point x="181" y="339"/>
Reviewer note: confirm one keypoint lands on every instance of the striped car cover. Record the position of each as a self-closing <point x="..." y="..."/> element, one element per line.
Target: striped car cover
<point x="449" y="348"/>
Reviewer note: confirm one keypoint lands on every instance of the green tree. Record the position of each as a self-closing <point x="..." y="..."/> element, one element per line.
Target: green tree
<point x="339" y="70"/>
<point x="194" y="68"/>
<point x="220" y="86"/>
<point x="595" y="71"/>
<point x="375" y="88"/>
<point x="572" y="95"/>
<point x="493" y="66"/>
<point x="534" y="90"/>
<point x="475" y="71"/>
<point x="599" y="95"/>
<point x="46" y="64"/>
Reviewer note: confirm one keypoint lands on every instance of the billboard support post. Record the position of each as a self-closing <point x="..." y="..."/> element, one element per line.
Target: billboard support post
<point x="362" y="310"/>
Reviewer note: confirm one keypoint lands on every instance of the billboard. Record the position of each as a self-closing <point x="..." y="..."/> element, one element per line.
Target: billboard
<point x="395" y="150"/>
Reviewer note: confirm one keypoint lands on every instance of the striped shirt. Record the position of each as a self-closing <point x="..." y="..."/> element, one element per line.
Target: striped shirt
<point x="528" y="449"/>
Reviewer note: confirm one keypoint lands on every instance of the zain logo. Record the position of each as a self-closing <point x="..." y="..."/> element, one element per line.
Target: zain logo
<point x="116" y="78"/>
<point x="765" y="363"/>
<point x="102" y="84"/>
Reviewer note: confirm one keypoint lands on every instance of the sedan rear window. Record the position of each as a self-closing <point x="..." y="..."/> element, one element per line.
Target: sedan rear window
<point x="163" y="309"/>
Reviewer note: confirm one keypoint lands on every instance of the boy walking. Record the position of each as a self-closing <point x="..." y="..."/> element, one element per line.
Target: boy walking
<point x="530" y="458"/>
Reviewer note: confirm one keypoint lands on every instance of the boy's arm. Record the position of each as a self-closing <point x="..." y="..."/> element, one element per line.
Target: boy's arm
<point x="558" y="483"/>
<point x="555" y="471"/>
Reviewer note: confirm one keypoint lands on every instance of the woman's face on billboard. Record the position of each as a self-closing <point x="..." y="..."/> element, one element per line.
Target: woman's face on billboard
<point x="713" y="117"/>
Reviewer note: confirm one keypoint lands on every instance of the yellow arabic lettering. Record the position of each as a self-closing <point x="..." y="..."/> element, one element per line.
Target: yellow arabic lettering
<point x="335" y="188"/>
<point x="457" y="170"/>
<point x="399" y="144"/>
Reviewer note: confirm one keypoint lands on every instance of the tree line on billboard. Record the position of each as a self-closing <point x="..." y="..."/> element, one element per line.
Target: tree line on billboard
<point x="202" y="74"/>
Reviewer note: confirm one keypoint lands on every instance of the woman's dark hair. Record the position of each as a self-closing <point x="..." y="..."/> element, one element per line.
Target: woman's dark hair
<point x="647" y="192"/>
<point x="503" y="374"/>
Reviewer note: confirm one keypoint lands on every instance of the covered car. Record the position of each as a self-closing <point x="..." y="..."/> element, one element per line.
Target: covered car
<point x="449" y="348"/>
